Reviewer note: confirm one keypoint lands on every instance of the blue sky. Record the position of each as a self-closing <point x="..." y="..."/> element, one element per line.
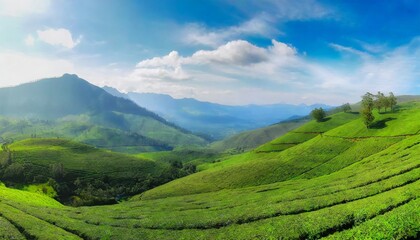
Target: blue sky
<point x="230" y="52"/>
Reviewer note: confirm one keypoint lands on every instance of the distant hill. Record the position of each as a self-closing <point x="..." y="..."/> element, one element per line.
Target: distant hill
<point x="69" y="106"/>
<point x="215" y="120"/>
<point x="248" y="140"/>
<point x="58" y="97"/>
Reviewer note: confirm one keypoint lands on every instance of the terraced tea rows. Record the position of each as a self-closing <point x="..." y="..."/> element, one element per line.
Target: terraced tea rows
<point x="364" y="185"/>
<point x="330" y="205"/>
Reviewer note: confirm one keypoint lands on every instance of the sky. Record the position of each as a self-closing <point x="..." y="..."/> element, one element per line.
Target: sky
<point x="233" y="52"/>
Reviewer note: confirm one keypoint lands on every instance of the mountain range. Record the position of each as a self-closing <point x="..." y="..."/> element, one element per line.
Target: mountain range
<point x="215" y="120"/>
<point x="70" y="107"/>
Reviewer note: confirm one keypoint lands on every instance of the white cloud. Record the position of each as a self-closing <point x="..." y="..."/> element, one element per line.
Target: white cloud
<point x="29" y="40"/>
<point x="163" y="68"/>
<point x="238" y="52"/>
<point x="58" y="37"/>
<point x="171" y="60"/>
<point x="239" y="72"/>
<point x="198" y="34"/>
<point x="17" y="8"/>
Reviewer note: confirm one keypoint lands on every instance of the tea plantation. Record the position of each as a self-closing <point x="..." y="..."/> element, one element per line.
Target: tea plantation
<point x="334" y="179"/>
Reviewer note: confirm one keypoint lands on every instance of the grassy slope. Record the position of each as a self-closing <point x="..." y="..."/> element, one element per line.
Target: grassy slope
<point x="306" y="132"/>
<point x="81" y="161"/>
<point x="73" y="98"/>
<point x="196" y="156"/>
<point x="376" y="197"/>
<point x="124" y="133"/>
<point x="336" y="187"/>
<point x="270" y="165"/>
<point x="250" y="139"/>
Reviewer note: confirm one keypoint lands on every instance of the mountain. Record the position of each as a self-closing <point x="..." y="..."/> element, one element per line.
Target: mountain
<point x="215" y="120"/>
<point x="69" y="106"/>
<point x="58" y="97"/>
<point x="334" y="179"/>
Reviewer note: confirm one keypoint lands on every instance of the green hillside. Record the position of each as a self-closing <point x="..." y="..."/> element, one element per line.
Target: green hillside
<point x="80" y="173"/>
<point x="251" y="139"/>
<point x="70" y="107"/>
<point x="347" y="183"/>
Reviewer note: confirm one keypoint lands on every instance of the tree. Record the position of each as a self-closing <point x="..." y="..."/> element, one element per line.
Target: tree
<point x="392" y="101"/>
<point x="318" y="114"/>
<point x="367" y="107"/>
<point x="57" y="171"/>
<point x="346" y="107"/>
<point x="380" y="101"/>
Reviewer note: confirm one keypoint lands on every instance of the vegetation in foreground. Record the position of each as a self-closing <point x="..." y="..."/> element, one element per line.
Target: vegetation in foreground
<point x="339" y="180"/>
<point x="79" y="174"/>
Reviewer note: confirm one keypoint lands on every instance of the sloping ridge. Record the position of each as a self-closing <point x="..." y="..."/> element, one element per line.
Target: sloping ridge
<point x="313" y="150"/>
<point x="61" y="96"/>
<point x="372" y="197"/>
<point x="71" y="100"/>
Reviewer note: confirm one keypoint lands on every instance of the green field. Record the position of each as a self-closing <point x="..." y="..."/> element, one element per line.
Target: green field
<point x="338" y="180"/>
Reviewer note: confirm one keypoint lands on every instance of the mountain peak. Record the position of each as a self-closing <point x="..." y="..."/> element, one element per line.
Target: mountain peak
<point x="70" y="75"/>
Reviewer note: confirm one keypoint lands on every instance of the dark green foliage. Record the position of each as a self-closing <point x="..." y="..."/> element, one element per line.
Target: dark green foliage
<point x="57" y="171"/>
<point x="83" y="175"/>
<point x="367" y="107"/>
<point x="318" y="114"/>
<point x="382" y="101"/>
<point x="346" y="107"/>
<point x="14" y="172"/>
<point x="392" y="101"/>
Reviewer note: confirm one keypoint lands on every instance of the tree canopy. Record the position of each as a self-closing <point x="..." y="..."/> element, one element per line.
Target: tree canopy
<point x="318" y="114"/>
<point x="367" y="107"/>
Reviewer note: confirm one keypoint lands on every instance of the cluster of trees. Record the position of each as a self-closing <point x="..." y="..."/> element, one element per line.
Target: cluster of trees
<point x="378" y="101"/>
<point x="345" y="107"/>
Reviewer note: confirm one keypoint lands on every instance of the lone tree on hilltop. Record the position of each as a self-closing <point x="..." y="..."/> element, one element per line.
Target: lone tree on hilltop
<point x="346" y="107"/>
<point x="367" y="107"/>
<point x="318" y="114"/>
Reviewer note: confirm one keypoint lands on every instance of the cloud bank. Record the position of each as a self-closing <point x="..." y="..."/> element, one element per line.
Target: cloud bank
<point x="239" y="72"/>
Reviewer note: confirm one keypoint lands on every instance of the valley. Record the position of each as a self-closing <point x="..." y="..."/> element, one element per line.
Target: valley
<point x="334" y="179"/>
